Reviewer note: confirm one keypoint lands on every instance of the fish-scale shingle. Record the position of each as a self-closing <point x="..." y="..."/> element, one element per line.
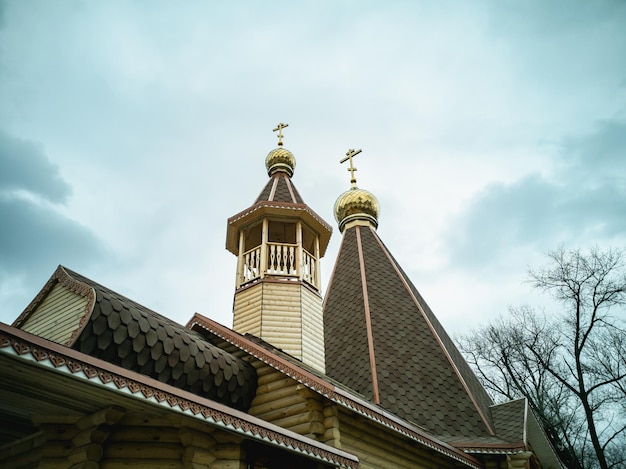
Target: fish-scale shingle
<point x="129" y="335"/>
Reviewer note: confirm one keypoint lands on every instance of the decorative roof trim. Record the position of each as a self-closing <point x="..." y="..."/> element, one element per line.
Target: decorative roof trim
<point x="285" y="205"/>
<point x="491" y="448"/>
<point x="79" y="288"/>
<point x="434" y="332"/>
<point x="42" y="352"/>
<point x="335" y="394"/>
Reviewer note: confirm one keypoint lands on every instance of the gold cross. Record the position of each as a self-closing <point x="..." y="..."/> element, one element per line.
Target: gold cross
<point x="280" y="128"/>
<point x="349" y="155"/>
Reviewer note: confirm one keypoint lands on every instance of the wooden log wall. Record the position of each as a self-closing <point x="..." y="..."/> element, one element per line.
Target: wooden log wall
<point x="285" y="402"/>
<point x="378" y="448"/>
<point x="110" y="439"/>
<point x="26" y="452"/>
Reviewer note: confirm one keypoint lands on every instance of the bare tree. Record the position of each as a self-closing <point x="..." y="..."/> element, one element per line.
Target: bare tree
<point x="570" y="365"/>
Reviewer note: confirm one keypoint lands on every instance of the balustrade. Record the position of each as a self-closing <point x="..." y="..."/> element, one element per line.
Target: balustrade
<point x="281" y="260"/>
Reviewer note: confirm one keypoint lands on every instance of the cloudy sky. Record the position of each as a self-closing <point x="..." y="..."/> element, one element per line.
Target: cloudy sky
<point x="130" y="131"/>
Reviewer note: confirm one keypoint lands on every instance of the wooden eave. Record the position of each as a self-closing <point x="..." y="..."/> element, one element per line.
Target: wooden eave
<point x="334" y="393"/>
<point x="268" y="209"/>
<point x="65" y="369"/>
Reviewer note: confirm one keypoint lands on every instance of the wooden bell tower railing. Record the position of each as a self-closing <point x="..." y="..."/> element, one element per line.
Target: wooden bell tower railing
<point x="288" y="261"/>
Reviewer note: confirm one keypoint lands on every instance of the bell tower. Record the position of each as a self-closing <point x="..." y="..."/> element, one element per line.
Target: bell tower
<point x="279" y="242"/>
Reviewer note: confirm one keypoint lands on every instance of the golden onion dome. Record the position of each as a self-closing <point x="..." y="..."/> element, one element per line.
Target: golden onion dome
<point x="356" y="204"/>
<point x="280" y="159"/>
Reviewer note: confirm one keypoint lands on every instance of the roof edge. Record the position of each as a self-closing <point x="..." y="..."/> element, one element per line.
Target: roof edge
<point x="325" y="388"/>
<point x="407" y="285"/>
<point x="41" y="352"/>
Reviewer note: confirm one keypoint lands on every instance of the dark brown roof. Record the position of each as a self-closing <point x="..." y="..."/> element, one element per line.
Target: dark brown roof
<point x="280" y="188"/>
<point x="129" y="335"/>
<point x="510" y="420"/>
<point x="419" y="373"/>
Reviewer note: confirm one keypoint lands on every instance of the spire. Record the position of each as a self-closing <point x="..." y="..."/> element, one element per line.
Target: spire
<point x="280" y="159"/>
<point x="381" y="338"/>
<point x="355" y="205"/>
<point x="279" y="242"/>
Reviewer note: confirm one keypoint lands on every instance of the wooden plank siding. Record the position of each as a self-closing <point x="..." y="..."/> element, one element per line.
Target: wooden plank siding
<point x="247" y="310"/>
<point x="57" y="316"/>
<point x="312" y="329"/>
<point x="288" y="315"/>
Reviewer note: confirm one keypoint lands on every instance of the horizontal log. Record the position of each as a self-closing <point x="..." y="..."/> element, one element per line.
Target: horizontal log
<point x="227" y="452"/>
<point x="109" y="415"/>
<point x="60" y="432"/>
<point x="39" y="419"/>
<point x="121" y="450"/>
<point x="271" y="386"/>
<point x="52" y="463"/>
<point x="232" y="464"/>
<point x="26" y="459"/>
<point x="191" y="437"/>
<point x="377" y="441"/>
<point x="273" y="395"/>
<point x="277" y="414"/>
<point x="147" y="434"/>
<point x="139" y="464"/>
<point x="293" y="420"/>
<point x="146" y="420"/>
<point x="198" y="455"/>
<point x="332" y="436"/>
<point x="314" y="428"/>
<point x="262" y="369"/>
<point x="271" y="377"/>
<point x="56" y="449"/>
<point x="92" y="452"/>
<point x="307" y="393"/>
<point x="86" y="465"/>
<point x="376" y="457"/>
<point x="276" y="404"/>
<point x="91" y="435"/>
<point x="29" y="443"/>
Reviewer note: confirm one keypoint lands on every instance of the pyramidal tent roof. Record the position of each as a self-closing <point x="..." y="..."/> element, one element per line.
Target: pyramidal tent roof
<point x="383" y="341"/>
<point x="280" y="188"/>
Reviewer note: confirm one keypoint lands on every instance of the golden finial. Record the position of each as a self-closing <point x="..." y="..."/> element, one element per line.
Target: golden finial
<point x="280" y="128"/>
<point x="349" y="155"/>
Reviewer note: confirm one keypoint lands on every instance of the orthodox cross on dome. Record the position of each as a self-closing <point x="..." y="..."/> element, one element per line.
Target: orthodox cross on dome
<point x="349" y="155"/>
<point x="280" y="128"/>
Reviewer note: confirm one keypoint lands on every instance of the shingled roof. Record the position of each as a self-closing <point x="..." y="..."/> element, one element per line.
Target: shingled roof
<point x="280" y="188"/>
<point x="127" y="334"/>
<point x="383" y="341"/>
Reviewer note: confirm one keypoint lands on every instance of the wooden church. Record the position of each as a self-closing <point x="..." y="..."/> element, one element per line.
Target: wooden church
<point x="365" y="377"/>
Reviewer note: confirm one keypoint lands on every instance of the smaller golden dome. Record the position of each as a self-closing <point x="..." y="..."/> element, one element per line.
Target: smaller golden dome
<point x="280" y="159"/>
<point x="356" y="204"/>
